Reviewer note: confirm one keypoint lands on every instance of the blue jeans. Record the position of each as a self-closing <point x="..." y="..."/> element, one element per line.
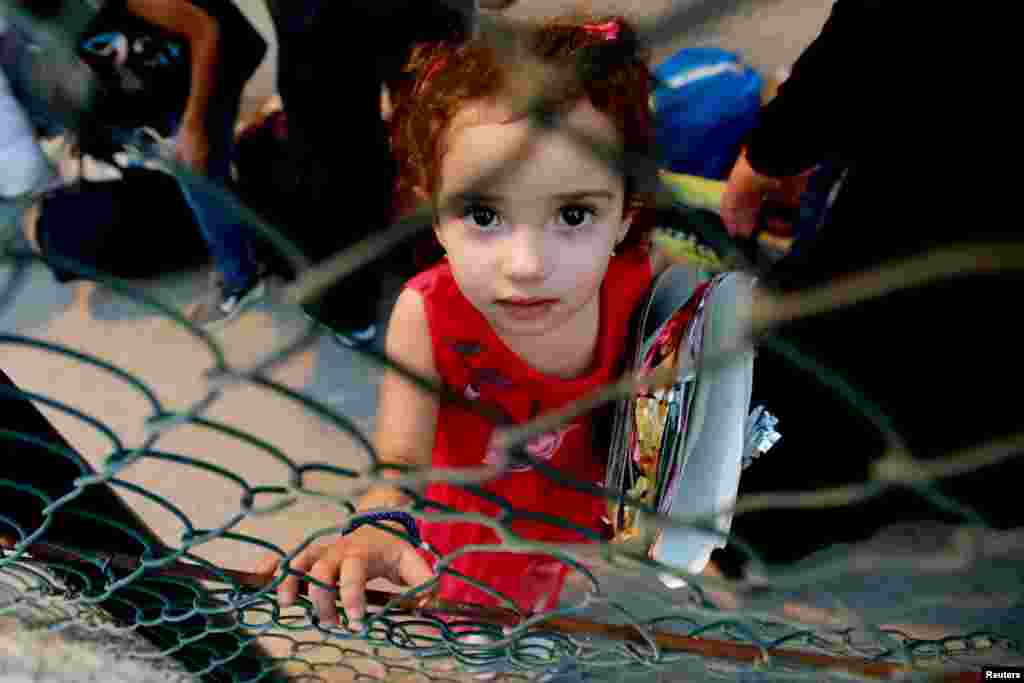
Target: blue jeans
<point x="228" y="238"/>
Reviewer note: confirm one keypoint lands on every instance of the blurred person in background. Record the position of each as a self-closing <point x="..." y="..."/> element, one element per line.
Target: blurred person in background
<point x="932" y="358"/>
<point x="345" y="52"/>
<point x="165" y="68"/>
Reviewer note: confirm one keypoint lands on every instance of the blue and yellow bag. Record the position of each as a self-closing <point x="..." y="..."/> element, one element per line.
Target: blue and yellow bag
<point x="705" y="103"/>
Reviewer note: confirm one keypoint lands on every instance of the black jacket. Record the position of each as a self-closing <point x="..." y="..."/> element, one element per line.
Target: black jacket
<point x="875" y="93"/>
<point x="939" y="361"/>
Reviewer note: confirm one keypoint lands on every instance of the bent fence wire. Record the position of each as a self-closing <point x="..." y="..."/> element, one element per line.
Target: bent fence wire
<point x="79" y="562"/>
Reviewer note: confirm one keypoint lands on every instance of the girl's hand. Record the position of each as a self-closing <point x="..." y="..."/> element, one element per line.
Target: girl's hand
<point x="350" y="562"/>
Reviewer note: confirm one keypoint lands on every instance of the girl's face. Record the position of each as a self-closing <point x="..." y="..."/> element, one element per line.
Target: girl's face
<point x="529" y="247"/>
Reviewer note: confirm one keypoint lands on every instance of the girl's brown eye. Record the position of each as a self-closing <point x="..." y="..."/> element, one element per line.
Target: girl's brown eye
<point x="576" y="216"/>
<point x="481" y="216"/>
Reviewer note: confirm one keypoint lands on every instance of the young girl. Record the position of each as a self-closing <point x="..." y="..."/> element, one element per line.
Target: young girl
<point x="546" y="260"/>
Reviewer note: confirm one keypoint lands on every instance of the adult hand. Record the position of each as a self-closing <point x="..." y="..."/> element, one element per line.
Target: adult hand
<point x="270" y="106"/>
<point x="747" y="192"/>
<point x="349" y="562"/>
<point x="193" y="147"/>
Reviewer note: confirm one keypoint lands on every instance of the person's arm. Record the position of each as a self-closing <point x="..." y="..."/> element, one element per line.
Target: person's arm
<point x="406" y="425"/>
<point x="406" y="414"/>
<point x="829" y="106"/>
<point x="185" y="19"/>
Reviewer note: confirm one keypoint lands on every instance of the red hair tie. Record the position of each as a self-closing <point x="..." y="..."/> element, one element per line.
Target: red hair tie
<point x="607" y="31"/>
<point x="436" y="64"/>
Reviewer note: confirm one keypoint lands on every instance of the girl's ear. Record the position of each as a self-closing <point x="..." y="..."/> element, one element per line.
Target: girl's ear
<point x="439" y="235"/>
<point x="422" y="195"/>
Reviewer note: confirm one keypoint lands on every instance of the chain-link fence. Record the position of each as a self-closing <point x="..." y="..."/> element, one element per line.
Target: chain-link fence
<point x="917" y="602"/>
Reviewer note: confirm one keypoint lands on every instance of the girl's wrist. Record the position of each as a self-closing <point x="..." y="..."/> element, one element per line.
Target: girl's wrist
<point x="396" y="519"/>
<point x="381" y="497"/>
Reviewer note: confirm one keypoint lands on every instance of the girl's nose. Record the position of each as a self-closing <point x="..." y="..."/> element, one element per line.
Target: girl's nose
<point x="525" y="257"/>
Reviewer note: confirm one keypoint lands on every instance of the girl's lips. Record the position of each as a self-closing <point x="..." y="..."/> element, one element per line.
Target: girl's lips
<point x="526" y="309"/>
<point x="526" y="302"/>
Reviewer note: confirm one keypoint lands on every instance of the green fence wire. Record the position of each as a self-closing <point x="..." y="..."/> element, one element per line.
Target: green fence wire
<point x="77" y="560"/>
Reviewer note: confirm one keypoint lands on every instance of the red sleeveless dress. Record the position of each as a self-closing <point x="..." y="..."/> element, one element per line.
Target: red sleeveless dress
<point x="471" y="359"/>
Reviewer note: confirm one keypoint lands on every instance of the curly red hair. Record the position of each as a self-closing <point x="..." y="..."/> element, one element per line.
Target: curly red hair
<point x="575" y="58"/>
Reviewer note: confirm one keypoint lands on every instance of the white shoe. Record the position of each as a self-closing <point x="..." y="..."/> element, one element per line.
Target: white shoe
<point x="218" y="310"/>
<point x="357" y="338"/>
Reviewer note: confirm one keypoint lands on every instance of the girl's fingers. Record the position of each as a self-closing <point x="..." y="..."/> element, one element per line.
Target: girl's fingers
<point x="352" y="590"/>
<point x="269" y="563"/>
<point x="326" y="571"/>
<point x="413" y="570"/>
<point x="288" y="591"/>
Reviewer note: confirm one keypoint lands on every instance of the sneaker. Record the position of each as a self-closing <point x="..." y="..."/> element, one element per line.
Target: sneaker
<point x="357" y="339"/>
<point x="218" y="309"/>
<point x="353" y="339"/>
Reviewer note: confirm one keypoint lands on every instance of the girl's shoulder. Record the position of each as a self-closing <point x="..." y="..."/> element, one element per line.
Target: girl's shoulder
<point x="407" y="327"/>
<point x="431" y="280"/>
<point x="444" y="306"/>
<point x="442" y="322"/>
